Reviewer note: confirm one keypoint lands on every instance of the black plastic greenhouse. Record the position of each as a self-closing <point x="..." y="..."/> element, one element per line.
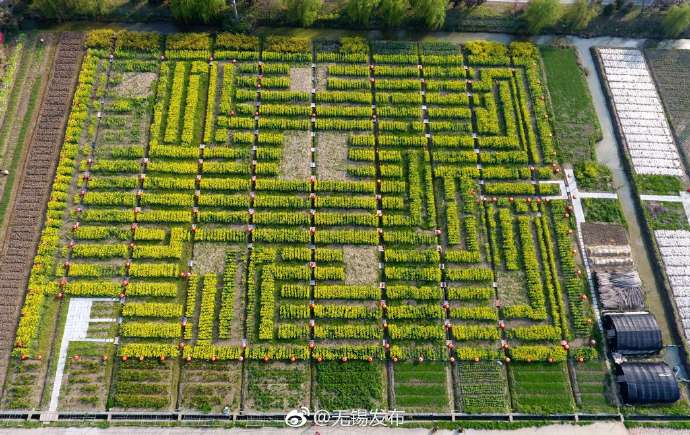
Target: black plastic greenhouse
<point x="632" y="333"/>
<point x="642" y="383"/>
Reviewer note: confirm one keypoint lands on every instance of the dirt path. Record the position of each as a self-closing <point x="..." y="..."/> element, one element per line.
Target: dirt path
<point x="29" y="205"/>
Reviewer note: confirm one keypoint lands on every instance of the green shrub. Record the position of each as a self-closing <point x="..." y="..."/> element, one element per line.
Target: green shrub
<point x="666" y="215"/>
<point x="593" y="176"/>
<point x="603" y="210"/>
<point x="658" y="184"/>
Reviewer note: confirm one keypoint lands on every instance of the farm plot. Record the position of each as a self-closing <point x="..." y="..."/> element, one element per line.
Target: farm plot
<point x="593" y="387"/>
<point x="481" y="388"/>
<point x="202" y="201"/>
<point x="670" y="71"/>
<point x="24" y="227"/>
<point x="209" y="386"/>
<point x="143" y="384"/>
<point x="674" y="246"/>
<point x="541" y="388"/>
<point x="85" y="382"/>
<point x="578" y="126"/>
<point x="357" y="385"/>
<point x="603" y="210"/>
<point x="86" y="377"/>
<point x="647" y="134"/>
<point x="421" y="387"/>
<point x="277" y="387"/>
<point x="27" y="59"/>
<point x="10" y="60"/>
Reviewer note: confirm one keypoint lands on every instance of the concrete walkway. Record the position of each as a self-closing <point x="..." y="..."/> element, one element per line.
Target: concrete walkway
<point x="76" y="329"/>
<point x="598" y="195"/>
<point x="661" y="198"/>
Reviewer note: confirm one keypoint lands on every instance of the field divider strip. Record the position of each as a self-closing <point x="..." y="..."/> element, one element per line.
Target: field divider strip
<point x="379" y="230"/>
<point x="250" y="225"/>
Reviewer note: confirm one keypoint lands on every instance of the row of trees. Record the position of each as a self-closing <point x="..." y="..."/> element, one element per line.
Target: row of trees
<point x="538" y="16"/>
<point x="543" y="14"/>
<point x="185" y="11"/>
<point x="361" y="12"/>
<point x="191" y="11"/>
<point x="677" y="20"/>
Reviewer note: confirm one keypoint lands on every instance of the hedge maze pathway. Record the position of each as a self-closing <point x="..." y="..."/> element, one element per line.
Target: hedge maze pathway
<point x="438" y="233"/>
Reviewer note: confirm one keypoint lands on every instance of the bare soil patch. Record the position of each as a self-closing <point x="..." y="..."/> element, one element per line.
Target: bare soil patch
<point x="209" y="258"/>
<point x="331" y="156"/>
<point x="361" y="265"/>
<point x="595" y="234"/>
<point x="135" y="85"/>
<point x="511" y="288"/>
<point x="321" y="77"/>
<point x="296" y="156"/>
<point x="300" y="79"/>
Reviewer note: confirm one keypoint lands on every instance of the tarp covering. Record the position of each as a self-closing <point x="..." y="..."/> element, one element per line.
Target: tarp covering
<point x="633" y="333"/>
<point x="620" y="290"/>
<point x="642" y="383"/>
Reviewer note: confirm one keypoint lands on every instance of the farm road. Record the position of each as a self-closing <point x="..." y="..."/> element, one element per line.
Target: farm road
<point x="592" y="429"/>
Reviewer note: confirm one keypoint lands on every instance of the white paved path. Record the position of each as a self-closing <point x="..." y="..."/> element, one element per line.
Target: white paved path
<point x="661" y="198"/>
<point x="76" y="328"/>
<point x="576" y="199"/>
<point x="574" y="195"/>
<point x="598" y="195"/>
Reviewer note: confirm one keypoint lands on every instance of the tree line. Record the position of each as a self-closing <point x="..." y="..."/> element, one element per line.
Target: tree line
<point x="538" y="16"/>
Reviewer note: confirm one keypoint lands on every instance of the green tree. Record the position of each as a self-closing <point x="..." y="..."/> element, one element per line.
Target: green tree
<point x="392" y="12"/>
<point x="541" y="14"/>
<point x="360" y="11"/>
<point x="64" y="9"/>
<point x="580" y="14"/>
<point x="432" y="12"/>
<point x="197" y="11"/>
<point x="51" y="9"/>
<point x="8" y="20"/>
<point x="676" y="20"/>
<point x="302" y="12"/>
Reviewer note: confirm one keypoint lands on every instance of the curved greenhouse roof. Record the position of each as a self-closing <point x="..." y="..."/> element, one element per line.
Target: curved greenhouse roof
<point x="642" y="383"/>
<point x="633" y="333"/>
